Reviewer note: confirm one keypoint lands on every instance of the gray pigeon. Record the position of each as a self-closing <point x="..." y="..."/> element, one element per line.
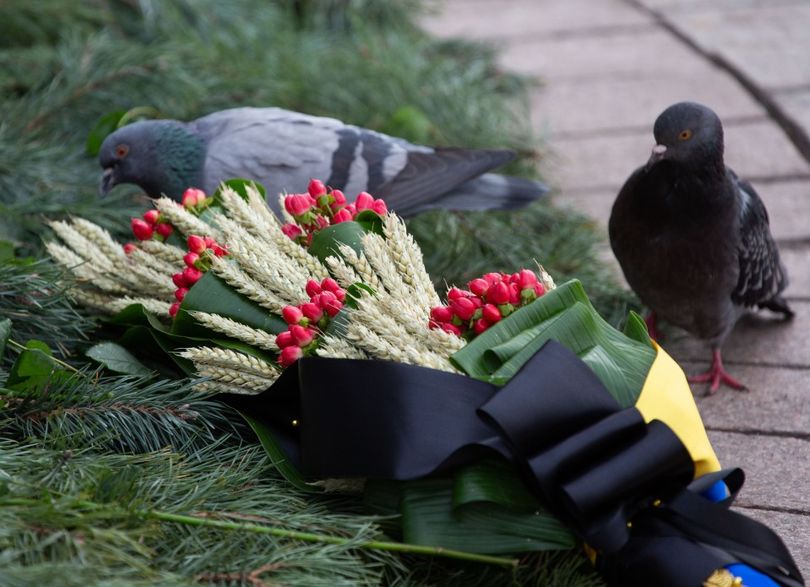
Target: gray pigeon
<point x="283" y="150"/>
<point x="693" y="239"/>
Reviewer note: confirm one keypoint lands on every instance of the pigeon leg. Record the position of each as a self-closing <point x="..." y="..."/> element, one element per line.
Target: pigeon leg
<point x="652" y="326"/>
<point x="717" y="375"/>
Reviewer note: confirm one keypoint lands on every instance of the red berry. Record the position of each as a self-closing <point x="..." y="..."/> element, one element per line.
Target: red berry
<point x="539" y="289"/>
<point x="302" y="336"/>
<point x="293" y="231"/>
<point x="493" y="278"/>
<point x="342" y="216"/>
<point x="338" y="200"/>
<point x="312" y="312"/>
<point x="451" y="328"/>
<point x="298" y="204"/>
<point x="313" y="288"/>
<point x="284" y="339"/>
<point x="364" y="201"/>
<point x="441" y="314"/>
<point x="164" y="229"/>
<point x="455" y="293"/>
<point x="289" y="355"/>
<point x="291" y="314"/>
<point x="192" y="275"/>
<point x="379" y="207"/>
<point x="498" y="293"/>
<point x="209" y="241"/>
<point x="142" y="230"/>
<point x="464" y="308"/>
<point x="180" y="293"/>
<point x="151" y="216"/>
<point x="479" y="286"/>
<point x="180" y="280"/>
<point x="329" y="302"/>
<point x="316" y="188"/>
<point x="129" y="247"/>
<point x="480" y="325"/>
<point x="526" y="278"/>
<point x="340" y="294"/>
<point x="330" y="284"/>
<point x="196" y="244"/>
<point x="514" y="294"/>
<point x="219" y="251"/>
<point x="491" y="313"/>
<point x="192" y="197"/>
<point x="173" y="309"/>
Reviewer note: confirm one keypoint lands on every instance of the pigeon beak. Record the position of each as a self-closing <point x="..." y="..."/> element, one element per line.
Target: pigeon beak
<point x="658" y="153"/>
<point x="108" y="181"/>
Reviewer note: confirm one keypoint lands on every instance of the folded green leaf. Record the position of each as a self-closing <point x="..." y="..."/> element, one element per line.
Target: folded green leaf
<point x="429" y="517"/>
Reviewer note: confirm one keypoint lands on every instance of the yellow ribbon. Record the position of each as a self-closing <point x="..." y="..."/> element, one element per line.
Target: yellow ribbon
<point x="666" y="396"/>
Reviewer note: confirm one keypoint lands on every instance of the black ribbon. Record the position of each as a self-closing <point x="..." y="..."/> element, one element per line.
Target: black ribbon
<point x="596" y="466"/>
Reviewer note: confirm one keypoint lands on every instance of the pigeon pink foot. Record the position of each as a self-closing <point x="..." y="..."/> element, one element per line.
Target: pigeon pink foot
<point x="717" y="375"/>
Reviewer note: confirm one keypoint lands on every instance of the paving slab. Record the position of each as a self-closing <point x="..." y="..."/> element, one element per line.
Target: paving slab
<point x="796" y="259"/>
<point x="796" y="104"/>
<point x="628" y="55"/>
<point x="771" y="465"/>
<point x="770" y="44"/>
<point x="488" y="19"/>
<point x="762" y="338"/>
<point x="793" y="529"/>
<point x="788" y="204"/>
<point x="778" y="401"/>
<point x="753" y="150"/>
<point x="603" y="105"/>
<point x="669" y="6"/>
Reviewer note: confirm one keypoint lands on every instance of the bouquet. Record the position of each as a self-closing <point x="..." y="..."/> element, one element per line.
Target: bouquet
<point x="508" y="417"/>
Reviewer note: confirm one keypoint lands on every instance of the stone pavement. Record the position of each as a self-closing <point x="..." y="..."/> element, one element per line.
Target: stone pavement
<point x="606" y="69"/>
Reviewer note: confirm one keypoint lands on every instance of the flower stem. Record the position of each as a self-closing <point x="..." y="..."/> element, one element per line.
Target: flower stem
<point x="402" y="547"/>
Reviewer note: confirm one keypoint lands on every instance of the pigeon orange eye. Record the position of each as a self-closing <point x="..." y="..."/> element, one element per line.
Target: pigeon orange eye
<point x="121" y="151"/>
<point x="685" y="135"/>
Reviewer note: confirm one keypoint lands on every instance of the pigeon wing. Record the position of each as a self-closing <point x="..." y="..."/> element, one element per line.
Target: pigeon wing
<point x="762" y="275"/>
<point x="282" y="150"/>
<point x="427" y="176"/>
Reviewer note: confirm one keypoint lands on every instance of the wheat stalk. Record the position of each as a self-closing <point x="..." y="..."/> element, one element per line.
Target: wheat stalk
<point x="185" y="221"/>
<point x="228" y="359"/>
<point x="237" y="330"/>
<point x="246" y="285"/>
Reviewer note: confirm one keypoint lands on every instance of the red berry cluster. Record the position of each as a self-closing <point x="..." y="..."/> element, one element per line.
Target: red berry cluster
<point x="152" y="225"/>
<point x="308" y="319"/>
<point x="490" y="298"/>
<point x="321" y="207"/>
<point x="198" y="261"/>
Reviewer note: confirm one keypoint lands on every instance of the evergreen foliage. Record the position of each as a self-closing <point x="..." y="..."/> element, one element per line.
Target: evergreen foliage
<point x="87" y="460"/>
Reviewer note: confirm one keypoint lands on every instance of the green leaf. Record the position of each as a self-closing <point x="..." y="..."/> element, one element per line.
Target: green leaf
<point x="104" y="126"/>
<point x="565" y="315"/>
<point x="33" y="368"/>
<point x="492" y="481"/>
<point x="325" y="243"/>
<point x="117" y="358"/>
<point x="277" y="455"/>
<point x="430" y="517"/>
<point x="370" y="221"/>
<point x="239" y="185"/>
<point x="636" y="329"/>
<point x="5" y="334"/>
<point x="211" y="294"/>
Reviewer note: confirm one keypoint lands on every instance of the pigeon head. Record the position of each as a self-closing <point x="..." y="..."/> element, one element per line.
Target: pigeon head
<point x="690" y="135"/>
<point x="159" y="156"/>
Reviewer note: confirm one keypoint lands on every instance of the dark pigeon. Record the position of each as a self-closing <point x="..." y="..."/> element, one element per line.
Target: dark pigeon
<point x="283" y="150"/>
<point x="693" y="239"/>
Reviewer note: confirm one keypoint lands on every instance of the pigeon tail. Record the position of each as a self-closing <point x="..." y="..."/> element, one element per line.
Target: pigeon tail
<point x="778" y="304"/>
<point x="489" y="192"/>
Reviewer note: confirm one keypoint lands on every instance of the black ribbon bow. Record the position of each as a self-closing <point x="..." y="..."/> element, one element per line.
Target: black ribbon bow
<point x="621" y="484"/>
